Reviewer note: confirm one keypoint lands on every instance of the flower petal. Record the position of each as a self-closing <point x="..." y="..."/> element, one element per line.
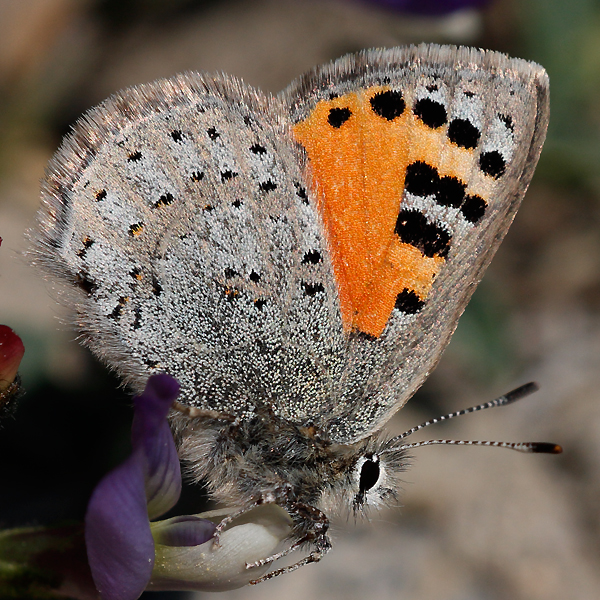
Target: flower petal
<point x="152" y="435"/>
<point x="117" y="529"/>
<point x="117" y="533"/>
<point x="186" y="530"/>
<point x="252" y="537"/>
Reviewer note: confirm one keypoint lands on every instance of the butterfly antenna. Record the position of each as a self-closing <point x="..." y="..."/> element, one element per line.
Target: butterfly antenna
<point x="516" y="394"/>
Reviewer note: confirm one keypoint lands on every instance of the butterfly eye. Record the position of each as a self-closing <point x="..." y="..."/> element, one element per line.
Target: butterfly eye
<point x="369" y="474"/>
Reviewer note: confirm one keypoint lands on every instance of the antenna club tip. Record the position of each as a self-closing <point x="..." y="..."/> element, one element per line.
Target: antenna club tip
<point x="528" y="388"/>
<point x="546" y="448"/>
<point x="521" y="392"/>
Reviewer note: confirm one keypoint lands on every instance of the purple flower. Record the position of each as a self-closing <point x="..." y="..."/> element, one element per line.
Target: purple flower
<point x="128" y="554"/>
<point x="117" y="524"/>
<point x="429" y="7"/>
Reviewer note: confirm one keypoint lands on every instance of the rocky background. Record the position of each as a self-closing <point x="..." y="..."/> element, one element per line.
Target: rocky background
<point x="476" y="523"/>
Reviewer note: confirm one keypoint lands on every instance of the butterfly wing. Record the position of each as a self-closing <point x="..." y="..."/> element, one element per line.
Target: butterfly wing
<point x="198" y="235"/>
<point x="177" y="215"/>
<point x="418" y="158"/>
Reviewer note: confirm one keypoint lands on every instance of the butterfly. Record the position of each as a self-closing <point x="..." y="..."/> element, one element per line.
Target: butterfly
<point x="298" y="262"/>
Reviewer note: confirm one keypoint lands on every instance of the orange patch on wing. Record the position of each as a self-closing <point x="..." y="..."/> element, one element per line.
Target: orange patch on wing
<point x="404" y="267"/>
<point x="358" y="162"/>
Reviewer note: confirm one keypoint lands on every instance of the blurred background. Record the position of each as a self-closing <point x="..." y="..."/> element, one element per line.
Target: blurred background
<point x="476" y="523"/>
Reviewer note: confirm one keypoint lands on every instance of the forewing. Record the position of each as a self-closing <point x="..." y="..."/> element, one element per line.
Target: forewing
<point x="418" y="160"/>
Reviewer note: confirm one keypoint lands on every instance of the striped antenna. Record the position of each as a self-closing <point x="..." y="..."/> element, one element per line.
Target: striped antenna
<point x="516" y="394"/>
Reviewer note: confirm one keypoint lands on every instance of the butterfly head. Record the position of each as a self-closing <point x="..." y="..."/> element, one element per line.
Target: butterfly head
<point x="370" y="479"/>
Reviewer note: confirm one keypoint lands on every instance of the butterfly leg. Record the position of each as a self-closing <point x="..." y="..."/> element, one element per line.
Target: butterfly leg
<point x="265" y="498"/>
<point x="315" y="556"/>
<point x="315" y="524"/>
<point x="270" y="559"/>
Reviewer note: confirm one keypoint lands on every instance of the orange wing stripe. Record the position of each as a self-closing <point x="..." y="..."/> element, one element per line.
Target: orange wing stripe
<point x="358" y="161"/>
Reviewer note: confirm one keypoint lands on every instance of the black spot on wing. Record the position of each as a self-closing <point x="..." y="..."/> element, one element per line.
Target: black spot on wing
<point x="157" y="288"/>
<point x="508" y="122"/>
<point x="338" y="116"/>
<point x="311" y="289"/>
<point x="137" y="321"/>
<point x="301" y="192"/>
<point x="134" y="156"/>
<point x="432" y="113"/>
<point x="164" y="200"/>
<point x="267" y="186"/>
<point x="136" y="229"/>
<point x="227" y="175"/>
<point x="312" y="257"/>
<point x="473" y="208"/>
<point x="258" y="149"/>
<point x="388" y="105"/>
<point x="421" y="179"/>
<point x="492" y="163"/>
<point x="463" y="133"/>
<point x="450" y="192"/>
<point x="408" y="302"/>
<point x="87" y="243"/>
<point x="118" y="309"/>
<point x="413" y="228"/>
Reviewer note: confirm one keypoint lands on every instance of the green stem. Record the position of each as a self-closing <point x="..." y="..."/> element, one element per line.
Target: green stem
<point x="45" y="562"/>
